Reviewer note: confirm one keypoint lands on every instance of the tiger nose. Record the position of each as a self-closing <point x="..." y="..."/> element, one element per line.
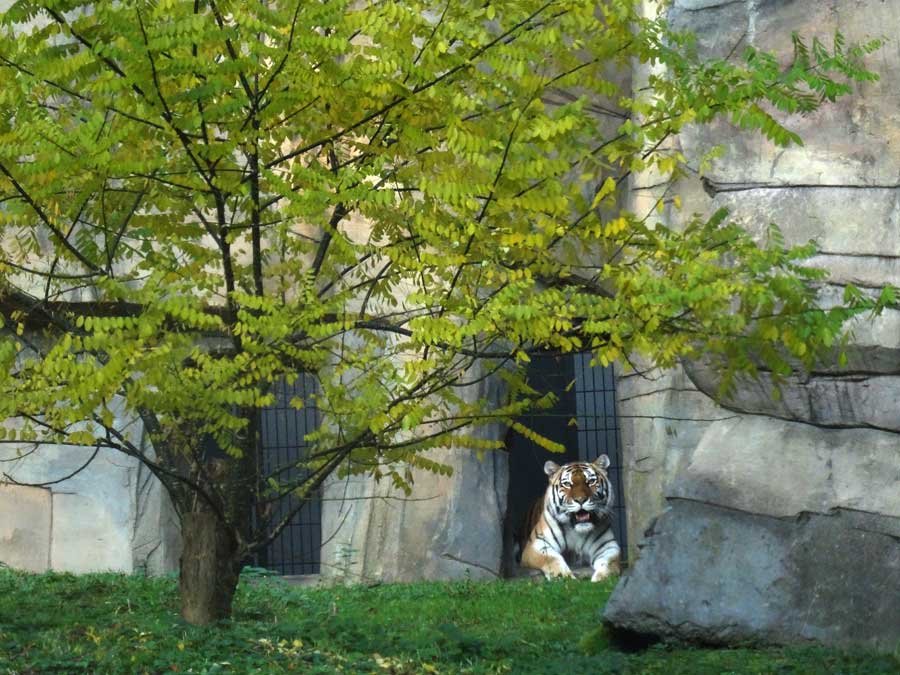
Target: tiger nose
<point x="581" y="501"/>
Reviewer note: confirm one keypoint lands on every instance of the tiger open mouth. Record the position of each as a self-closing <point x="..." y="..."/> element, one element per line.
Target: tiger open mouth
<point x="581" y="516"/>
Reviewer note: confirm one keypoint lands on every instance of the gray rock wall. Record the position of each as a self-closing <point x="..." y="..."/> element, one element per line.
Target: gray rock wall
<point x="25" y="527"/>
<point x="662" y="417"/>
<point x="450" y="527"/>
<point x="112" y="516"/>
<point x="777" y="520"/>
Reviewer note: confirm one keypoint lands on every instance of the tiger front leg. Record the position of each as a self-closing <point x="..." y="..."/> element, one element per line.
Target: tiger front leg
<point x="539" y="555"/>
<point x="606" y="562"/>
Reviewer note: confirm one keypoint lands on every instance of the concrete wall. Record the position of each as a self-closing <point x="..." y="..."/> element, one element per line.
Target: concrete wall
<point x="450" y="527"/>
<point x="112" y="516"/>
<point x="27" y="515"/>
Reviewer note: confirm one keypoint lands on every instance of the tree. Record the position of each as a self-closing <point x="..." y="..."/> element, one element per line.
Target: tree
<point x="202" y="198"/>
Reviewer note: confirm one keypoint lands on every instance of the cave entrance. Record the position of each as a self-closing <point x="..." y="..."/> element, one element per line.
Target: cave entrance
<point x="586" y="395"/>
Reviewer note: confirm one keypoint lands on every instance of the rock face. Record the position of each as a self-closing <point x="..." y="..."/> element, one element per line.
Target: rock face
<point x="851" y="144"/>
<point x="448" y="528"/>
<point x="662" y="417"/>
<point x="780" y="517"/>
<point x="25" y="527"/>
<point x="112" y="516"/>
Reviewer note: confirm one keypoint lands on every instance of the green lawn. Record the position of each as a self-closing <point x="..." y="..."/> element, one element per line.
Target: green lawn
<point x="59" y="623"/>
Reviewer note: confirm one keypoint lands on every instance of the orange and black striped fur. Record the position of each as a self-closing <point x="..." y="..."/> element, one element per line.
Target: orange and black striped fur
<point x="571" y="523"/>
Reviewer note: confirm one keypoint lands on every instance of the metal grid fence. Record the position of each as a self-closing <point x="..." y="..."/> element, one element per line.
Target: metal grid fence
<point x="598" y="429"/>
<point x="297" y="549"/>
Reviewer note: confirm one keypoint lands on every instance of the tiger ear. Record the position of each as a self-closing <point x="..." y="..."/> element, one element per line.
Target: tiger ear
<point x="550" y="468"/>
<point x="602" y="462"/>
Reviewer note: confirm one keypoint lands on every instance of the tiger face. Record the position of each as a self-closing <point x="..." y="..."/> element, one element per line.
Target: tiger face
<point x="580" y="493"/>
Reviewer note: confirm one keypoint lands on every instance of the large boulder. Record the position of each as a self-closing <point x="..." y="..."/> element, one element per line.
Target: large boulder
<point x="776" y="532"/>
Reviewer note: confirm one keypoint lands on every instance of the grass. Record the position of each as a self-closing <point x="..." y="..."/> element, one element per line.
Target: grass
<point x="106" y="623"/>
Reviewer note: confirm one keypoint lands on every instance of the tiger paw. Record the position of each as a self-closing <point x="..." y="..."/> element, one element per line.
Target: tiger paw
<point x="606" y="571"/>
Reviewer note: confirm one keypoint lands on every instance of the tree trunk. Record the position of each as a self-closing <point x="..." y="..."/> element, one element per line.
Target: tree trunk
<point x="210" y="568"/>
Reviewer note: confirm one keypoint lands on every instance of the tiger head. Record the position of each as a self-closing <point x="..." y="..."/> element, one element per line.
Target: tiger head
<point x="580" y="493"/>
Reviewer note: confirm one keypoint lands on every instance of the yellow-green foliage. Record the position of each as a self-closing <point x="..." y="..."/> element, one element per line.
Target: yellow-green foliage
<point x="200" y="197"/>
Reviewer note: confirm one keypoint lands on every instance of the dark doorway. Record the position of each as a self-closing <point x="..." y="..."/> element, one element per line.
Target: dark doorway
<point x="583" y="420"/>
<point x="297" y="549"/>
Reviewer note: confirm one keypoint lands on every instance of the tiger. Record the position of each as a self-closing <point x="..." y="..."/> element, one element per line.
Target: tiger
<point x="572" y="522"/>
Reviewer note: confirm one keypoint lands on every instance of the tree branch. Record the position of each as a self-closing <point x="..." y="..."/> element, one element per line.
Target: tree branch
<point x="58" y="480"/>
<point x="60" y="237"/>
